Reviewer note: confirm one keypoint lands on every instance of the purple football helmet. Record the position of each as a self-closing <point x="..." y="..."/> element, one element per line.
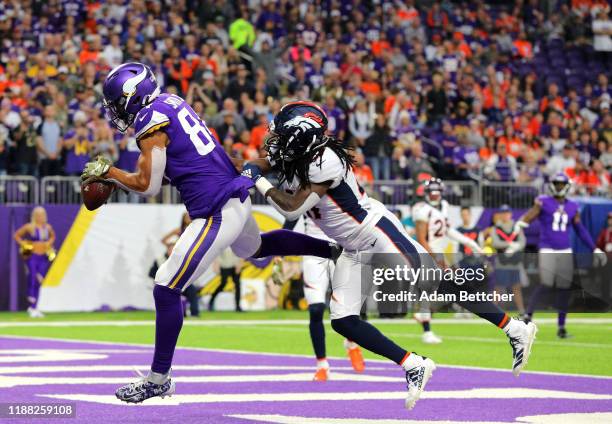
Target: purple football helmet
<point x="127" y="89"/>
<point x="559" y="185"/>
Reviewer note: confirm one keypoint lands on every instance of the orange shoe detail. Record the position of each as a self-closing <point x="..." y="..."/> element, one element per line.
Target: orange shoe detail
<point x="322" y="374"/>
<point x="356" y="358"/>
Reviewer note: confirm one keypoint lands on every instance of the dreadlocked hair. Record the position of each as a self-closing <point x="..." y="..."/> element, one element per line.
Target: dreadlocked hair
<point x="300" y="166"/>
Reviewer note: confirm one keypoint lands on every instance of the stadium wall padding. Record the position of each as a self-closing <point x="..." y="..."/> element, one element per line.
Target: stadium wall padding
<point x="105" y="262"/>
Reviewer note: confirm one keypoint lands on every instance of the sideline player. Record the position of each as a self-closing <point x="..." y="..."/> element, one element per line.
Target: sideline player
<point x="433" y="233"/>
<point x="315" y="174"/>
<point x="317" y="274"/>
<point x="556" y="263"/>
<point x="176" y="145"/>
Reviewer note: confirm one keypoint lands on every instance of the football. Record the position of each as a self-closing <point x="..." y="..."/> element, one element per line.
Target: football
<point x="96" y="193"/>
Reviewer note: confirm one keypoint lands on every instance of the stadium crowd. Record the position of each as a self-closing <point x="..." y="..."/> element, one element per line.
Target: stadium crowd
<point x="505" y="91"/>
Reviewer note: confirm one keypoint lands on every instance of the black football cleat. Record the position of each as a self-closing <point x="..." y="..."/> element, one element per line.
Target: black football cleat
<point x="563" y="334"/>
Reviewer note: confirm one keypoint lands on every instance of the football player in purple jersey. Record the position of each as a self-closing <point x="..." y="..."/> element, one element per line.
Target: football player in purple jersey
<point x="556" y="214"/>
<point x="176" y="146"/>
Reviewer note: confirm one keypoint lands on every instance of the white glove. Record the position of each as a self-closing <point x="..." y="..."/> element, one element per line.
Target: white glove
<point x="513" y="247"/>
<point x="476" y="248"/>
<point x="600" y="258"/>
<point x="519" y="226"/>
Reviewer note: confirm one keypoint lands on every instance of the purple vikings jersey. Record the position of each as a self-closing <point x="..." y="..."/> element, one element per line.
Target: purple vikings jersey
<point x="555" y="221"/>
<point x="196" y="164"/>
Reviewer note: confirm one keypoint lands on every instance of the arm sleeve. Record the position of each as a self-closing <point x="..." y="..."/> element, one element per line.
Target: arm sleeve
<point x="584" y="235"/>
<point x="158" y="166"/>
<point x="460" y="238"/>
<point x="309" y="203"/>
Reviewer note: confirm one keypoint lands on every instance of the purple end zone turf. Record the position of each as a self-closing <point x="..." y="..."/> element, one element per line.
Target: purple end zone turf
<point x="448" y="389"/>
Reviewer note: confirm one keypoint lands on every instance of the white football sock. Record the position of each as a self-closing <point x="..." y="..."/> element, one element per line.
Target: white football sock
<point x="513" y="328"/>
<point x="413" y="360"/>
<point x="322" y="363"/>
<point x="349" y="344"/>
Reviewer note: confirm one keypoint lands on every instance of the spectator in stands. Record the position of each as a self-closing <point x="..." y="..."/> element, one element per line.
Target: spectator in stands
<point x="240" y="84"/>
<point x="222" y="120"/>
<point x="602" y="32"/>
<point x="418" y="166"/>
<point x="514" y="145"/>
<point x="112" y="53"/>
<point x="377" y="149"/>
<point x="501" y="166"/>
<point x="104" y="144"/>
<point x="600" y="183"/>
<point x="437" y="102"/>
<point x="360" y="123"/>
<point x="4" y="133"/>
<point x="604" y="239"/>
<point x="497" y="72"/>
<point x="77" y="146"/>
<point x="559" y="162"/>
<point x="49" y="144"/>
<point x="362" y="170"/>
<point x="24" y="154"/>
<point x="466" y="160"/>
<point x="530" y="171"/>
<point x="579" y="175"/>
<point x="554" y="143"/>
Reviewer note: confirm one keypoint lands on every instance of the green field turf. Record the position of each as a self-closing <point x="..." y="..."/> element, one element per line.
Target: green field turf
<point x="482" y="345"/>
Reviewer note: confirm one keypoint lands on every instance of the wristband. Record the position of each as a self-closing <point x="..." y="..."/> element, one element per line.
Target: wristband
<point x="263" y="185"/>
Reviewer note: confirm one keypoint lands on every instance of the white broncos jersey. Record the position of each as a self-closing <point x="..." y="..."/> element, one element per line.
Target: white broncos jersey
<point x="306" y="225"/>
<point x="344" y="213"/>
<point x="437" y="223"/>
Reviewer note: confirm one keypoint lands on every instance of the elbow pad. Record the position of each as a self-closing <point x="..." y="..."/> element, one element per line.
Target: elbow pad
<point x="309" y="203"/>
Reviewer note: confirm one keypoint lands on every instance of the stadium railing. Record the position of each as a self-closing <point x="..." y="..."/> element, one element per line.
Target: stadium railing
<point x="396" y="192"/>
<point x="516" y="195"/>
<point x="59" y="189"/>
<point x="19" y="189"/>
<point x="67" y="190"/>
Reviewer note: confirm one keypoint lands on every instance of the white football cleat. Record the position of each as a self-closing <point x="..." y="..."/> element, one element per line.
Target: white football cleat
<point x="521" y="336"/>
<point x="418" y="372"/>
<point x="429" y="337"/>
<point x="35" y="313"/>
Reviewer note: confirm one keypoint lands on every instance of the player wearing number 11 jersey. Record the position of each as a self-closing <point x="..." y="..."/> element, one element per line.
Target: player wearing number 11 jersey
<point x="176" y="145"/>
<point x="556" y="215"/>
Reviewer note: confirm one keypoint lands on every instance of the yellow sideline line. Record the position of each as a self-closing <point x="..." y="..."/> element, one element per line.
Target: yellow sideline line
<point x="70" y="246"/>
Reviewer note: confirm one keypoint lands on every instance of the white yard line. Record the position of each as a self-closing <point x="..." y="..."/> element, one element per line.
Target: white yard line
<point x="480" y="393"/>
<point x="247" y="352"/>
<point x="567" y="343"/>
<point x="276" y="322"/>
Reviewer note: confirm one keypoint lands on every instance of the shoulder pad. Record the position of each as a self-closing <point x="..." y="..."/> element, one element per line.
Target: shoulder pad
<point x="149" y="120"/>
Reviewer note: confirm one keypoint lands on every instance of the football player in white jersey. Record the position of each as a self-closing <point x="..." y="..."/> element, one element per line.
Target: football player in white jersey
<point x="316" y="175"/>
<point x="317" y="275"/>
<point x="433" y="232"/>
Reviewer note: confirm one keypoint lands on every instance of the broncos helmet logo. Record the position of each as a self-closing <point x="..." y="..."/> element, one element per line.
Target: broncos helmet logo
<point x="305" y="123"/>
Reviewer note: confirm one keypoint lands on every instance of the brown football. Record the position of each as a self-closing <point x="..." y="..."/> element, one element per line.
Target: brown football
<point x="96" y="193"/>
